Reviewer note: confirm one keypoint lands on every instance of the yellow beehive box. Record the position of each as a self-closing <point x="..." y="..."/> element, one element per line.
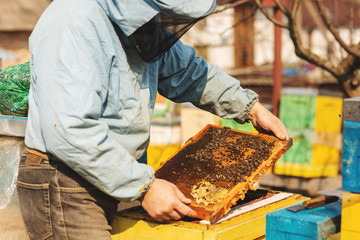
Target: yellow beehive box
<point x="248" y="225"/>
<point x="325" y="154"/>
<point x="193" y="120"/>
<point x="157" y="154"/>
<point x="164" y="142"/>
<point x="313" y="154"/>
<point x="328" y="114"/>
<point x="350" y="222"/>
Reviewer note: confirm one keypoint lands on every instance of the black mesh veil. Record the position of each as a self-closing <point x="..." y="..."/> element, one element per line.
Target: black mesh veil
<point x="158" y="35"/>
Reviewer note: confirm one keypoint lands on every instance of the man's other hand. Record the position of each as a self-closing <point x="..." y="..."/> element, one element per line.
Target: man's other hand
<point x="263" y="119"/>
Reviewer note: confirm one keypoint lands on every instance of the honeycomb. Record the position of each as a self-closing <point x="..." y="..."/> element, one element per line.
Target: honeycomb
<point x="216" y="167"/>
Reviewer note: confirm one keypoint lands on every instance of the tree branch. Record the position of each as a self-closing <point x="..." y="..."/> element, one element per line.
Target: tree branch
<point x="348" y="77"/>
<point x="228" y="5"/>
<point x="268" y="16"/>
<point x="348" y="49"/>
<point x="305" y="53"/>
<point x="243" y="19"/>
<point x="349" y="63"/>
<point x="281" y="7"/>
<point x="295" y="8"/>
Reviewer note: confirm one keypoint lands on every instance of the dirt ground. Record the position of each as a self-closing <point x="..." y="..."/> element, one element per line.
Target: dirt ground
<point x="11" y="224"/>
<point x="23" y="54"/>
<point x="16" y="43"/>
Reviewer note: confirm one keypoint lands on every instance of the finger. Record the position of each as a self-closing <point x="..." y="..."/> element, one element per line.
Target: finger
<point x="182" y="197"/>
<point x="285" y="135"/>
<point x="158" y="218"/>
<point x="180" y="214"/>
<point x="182" y="208"/>
<point x="162" y="218"/>
<point x="175" y="215"/>
<point x="185" y="210"/>
<point x="280" y="130"/>
<point x="166" y="219"/>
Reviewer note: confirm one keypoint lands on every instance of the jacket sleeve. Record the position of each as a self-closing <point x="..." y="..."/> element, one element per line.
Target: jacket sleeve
<point x="70" y="77"/>
<point x="187" y="78"/>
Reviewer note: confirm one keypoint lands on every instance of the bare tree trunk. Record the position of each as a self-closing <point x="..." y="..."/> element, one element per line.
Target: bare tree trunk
<point x="347" y="70"/>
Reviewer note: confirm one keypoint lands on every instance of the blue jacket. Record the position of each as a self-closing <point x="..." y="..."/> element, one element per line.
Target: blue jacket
<point x="92" y="97"/>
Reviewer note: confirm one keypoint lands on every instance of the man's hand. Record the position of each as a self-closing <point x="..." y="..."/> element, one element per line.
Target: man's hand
<point x="164" y="202"/>
<point x="263" y="119"/>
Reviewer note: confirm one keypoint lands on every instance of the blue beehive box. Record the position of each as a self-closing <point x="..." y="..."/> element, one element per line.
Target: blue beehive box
<point x="310" y="224"/>
<point x="351" y="157"/>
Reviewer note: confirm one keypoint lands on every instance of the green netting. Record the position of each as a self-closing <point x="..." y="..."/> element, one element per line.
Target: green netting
<point x="14" y="90"/>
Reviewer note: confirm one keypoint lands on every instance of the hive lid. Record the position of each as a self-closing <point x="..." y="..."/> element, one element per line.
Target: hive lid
<point x="217" y="166"/>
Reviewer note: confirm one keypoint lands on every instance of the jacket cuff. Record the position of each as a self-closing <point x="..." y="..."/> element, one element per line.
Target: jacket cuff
<point x="145" y="188"/>
<point x="244" y="116"/>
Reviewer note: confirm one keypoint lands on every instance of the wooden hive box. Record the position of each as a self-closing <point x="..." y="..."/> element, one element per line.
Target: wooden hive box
<point x="351" y="157"/>
<point x="350" y="223"/>
<point x="248" y="224"/>
<point x="310" y="224"/>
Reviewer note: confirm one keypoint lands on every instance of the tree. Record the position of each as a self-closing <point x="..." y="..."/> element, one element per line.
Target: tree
<point x="325" y="13"/>
<point x="346" y="69"/>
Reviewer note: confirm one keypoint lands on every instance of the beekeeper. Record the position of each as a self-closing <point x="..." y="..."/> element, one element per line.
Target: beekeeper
<point x="96" y="67"/>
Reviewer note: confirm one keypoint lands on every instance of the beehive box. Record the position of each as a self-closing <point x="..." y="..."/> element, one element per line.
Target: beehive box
<point x="217" y="166"/>
<point x="351" y="109"/>
<point x="246" y="127"/>
<point x="350" y="224"/>
<point x="313" y="154"/>
<point x="247" y="224"/>
<point x="193" y="120"/>
<point x="351" y="157"/>
<point x="298" y="108"/>
<point x="309" y="224"/>
<point x="164" y="142"/>
<point x="313" y="120"/>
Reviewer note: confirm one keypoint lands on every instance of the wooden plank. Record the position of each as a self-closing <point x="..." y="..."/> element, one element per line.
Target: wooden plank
<point x="244" y="36"/>
<point x="134" y="229"/>
<point x="268" y="3"/>
<point x="271" y="3"/>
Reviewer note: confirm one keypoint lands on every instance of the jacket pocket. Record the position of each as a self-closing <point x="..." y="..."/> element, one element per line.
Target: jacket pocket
<point x="34" y="201"/>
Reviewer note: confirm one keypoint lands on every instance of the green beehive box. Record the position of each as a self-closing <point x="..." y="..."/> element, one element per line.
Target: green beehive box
<point x="313" y="121"/>
<point x="246" y="127"/>
<point x="298" y="108"/>
<point x="301" y="151"/>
